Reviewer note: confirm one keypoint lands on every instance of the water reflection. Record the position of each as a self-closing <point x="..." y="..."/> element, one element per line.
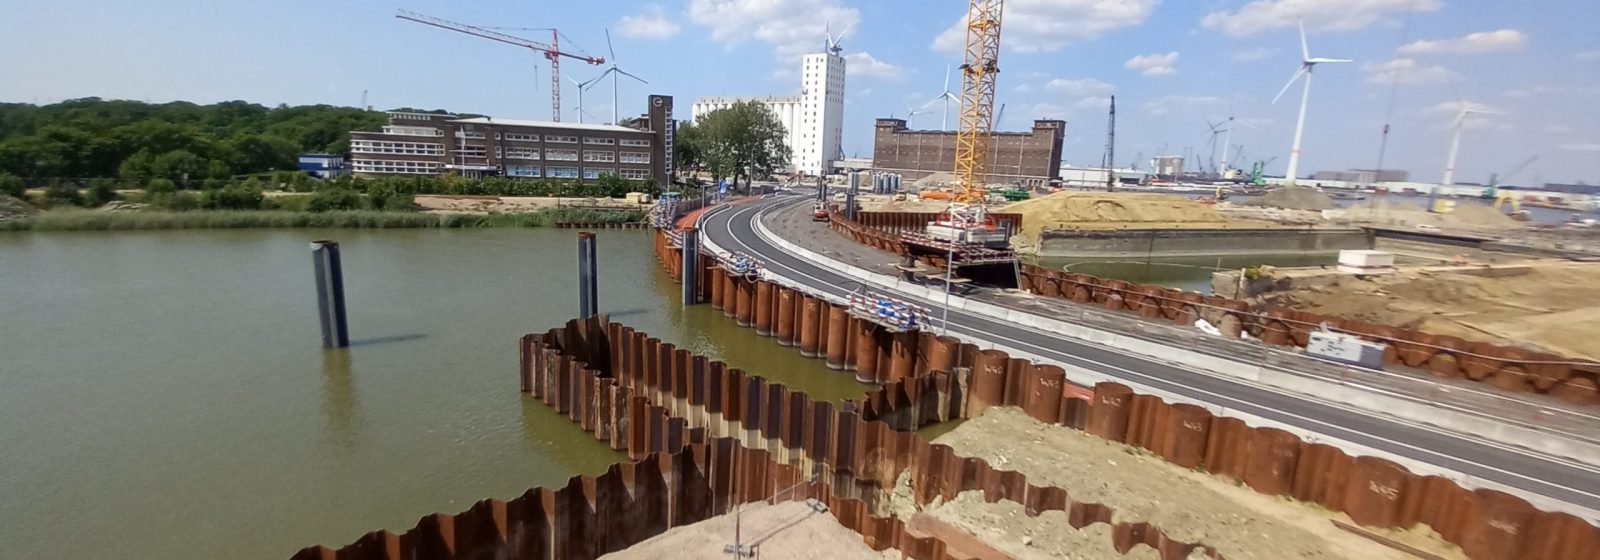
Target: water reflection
<point x="562" y="442"/>
<point x="340" y="420"/>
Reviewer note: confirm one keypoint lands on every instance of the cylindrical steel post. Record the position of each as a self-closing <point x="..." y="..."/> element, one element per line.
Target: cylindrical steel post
<point x="902" y="356"/>
<point x="329" y="269"/>
<point x="1108" y="414"/>
<point x="838" y="336"/>
<point x="866" y="350"/>
<point x="717" y="282"/>
<point x="988" y="382"/>
<point x="690" y="266"/>
<point x="785" y="319"/>
<point x="744" y="302"/>
<point x="763" y="318"/>
<point x="730" y="294"/>
<point x="810" y="315"/>
<point x="942" y="354"/>
<point x="588" y="278"/>
<point x="1041" y="397"/>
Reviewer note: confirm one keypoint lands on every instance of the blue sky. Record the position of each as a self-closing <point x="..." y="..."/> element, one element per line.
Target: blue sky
<point x="1172" y="65"/>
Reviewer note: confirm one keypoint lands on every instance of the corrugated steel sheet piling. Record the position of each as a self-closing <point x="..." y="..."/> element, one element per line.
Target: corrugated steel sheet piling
<point x="588" y="277"/>
<point x="691" y="266"/>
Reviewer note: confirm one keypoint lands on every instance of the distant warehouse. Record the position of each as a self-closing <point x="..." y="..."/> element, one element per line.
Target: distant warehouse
<point x="1033" y="157"/>
<point x="436" y="144"/>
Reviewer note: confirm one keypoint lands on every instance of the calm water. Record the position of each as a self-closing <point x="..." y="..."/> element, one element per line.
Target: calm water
<point x="164" y="395"/>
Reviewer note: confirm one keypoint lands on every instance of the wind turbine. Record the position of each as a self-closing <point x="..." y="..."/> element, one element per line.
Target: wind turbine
<point x="614" y="72"/>
<point x="581" y="86"/>
<point x="1307" y="64"/>
<point x="912" y="112"/>
<point x="1463" y="111"/>
<point x="947" y="97"/>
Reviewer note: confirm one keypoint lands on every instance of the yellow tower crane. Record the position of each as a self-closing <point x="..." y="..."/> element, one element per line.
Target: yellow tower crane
<point x="967" y="220"/>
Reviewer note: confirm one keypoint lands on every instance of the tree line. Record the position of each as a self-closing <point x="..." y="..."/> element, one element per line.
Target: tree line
<point x="136" y="141"/>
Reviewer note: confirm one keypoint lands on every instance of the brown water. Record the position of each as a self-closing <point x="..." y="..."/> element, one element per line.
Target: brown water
<point x="164" y="395"/>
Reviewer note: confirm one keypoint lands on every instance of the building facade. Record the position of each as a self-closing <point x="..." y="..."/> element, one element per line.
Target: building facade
<point x="323" y="166"/>
<point x="435" y="144"/>
<point x="813" y="120"/>
<point x="1033" y="157"/>
<point x="1364" y="176"/>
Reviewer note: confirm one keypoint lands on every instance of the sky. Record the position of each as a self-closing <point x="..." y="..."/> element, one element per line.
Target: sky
<point x="1532" y="65"/>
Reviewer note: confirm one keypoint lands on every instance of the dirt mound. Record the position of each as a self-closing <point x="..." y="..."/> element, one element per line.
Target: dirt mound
<point x="1467" y="215"/>
<point x="11" y="208"/>
<point x="1092" y="210"/>
<point x="938" y="179"/>
<point x="1294" y="198"/>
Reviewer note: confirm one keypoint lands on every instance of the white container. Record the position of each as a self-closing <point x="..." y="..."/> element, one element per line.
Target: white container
<point x="1362" y="261"/>
<point x="1345" y="348"/>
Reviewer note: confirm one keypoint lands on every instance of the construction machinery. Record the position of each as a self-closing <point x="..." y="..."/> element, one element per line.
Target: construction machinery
<point x="966" y="220"/>
<point x="965" y="236"/>
<point x="551" y="52"/>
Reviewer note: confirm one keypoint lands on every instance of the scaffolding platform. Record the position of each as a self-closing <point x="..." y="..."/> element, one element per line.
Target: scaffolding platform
<point x="893" y="314"/>
<point x="964" y="254"/>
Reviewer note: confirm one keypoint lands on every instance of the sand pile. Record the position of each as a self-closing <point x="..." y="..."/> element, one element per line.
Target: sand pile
<point x="1101" y="211"/>
<point x="935" y="180"/>
<point x="1294" y="198"/>
<point x="1384" y="211"/>
<point x="1545" y="306"/>
<point x="1187" y="504"/>
<point x="787" y="531"/>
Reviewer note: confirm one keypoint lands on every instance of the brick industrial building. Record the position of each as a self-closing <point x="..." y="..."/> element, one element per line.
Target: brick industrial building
<point x="434" y="144"/>
<point x="1034" y="157"/>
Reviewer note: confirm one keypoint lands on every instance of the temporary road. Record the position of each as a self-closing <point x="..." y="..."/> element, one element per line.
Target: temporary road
<point x="733" y="228"/>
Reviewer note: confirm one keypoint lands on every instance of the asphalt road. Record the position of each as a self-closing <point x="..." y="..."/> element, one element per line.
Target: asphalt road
<point x="733" y="228"/>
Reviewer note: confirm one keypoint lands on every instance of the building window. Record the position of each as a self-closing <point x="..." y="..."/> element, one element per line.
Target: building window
<point x="470" y="134"/>
<point x="635" y="157"/>
<point x="561" y="139"/>
<point x="561" y="155"/>
<point x="594" y="173"/>
<point x="561" y="172"/>
<point x="386" y="147"/>
<point x="471" y="150"/>
<point x="635" y="143"/>
<point x="519" y="152"/>
<point x="519" y="137"/>
<point x="600" y="141"/>
<point x="633" y="173"/>
<point x="599" y="157"/>
<point x="389" y="166"/>
<point x="522" y="171"/>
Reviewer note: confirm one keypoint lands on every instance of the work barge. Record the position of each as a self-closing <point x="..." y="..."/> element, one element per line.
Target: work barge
<point x="703" y="437"/>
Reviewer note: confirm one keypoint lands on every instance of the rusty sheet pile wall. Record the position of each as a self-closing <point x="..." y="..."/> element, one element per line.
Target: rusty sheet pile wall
<point x="1505" y="367"/>
<point x="1487" y="524"/>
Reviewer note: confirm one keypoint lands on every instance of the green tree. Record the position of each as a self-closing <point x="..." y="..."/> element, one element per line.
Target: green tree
<point x="12" y="185"/>
<point x="688" y="147"/>
<point x="743" y="141"/>
<point x="100" y="191"/>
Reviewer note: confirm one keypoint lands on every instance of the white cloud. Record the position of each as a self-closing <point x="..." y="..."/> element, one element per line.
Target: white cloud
<point x="1096" y="102"/>
<point x="1547" y="90"/>
<point x="1581" y="147"/>
<point x="1473" y="43"/>
<point x="653" y="24"/>
<point x="1255" y="54"/>
<point x="1319" y="15"/>
<point x="1587" y="56"/>
<point x="863" y="65"/>
<point x="1169" y="103"/>
<point x="1154" y="64"/>
<point x="1407" y="71"/>
<point x="1022" y="88"/>
<point x="792" y="27"/>
<point x="1079" y="88"/>
<point x="1033" y="26"/>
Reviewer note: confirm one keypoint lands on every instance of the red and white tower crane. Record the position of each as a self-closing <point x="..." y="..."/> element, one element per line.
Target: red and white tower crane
<point x="551" y="52"/>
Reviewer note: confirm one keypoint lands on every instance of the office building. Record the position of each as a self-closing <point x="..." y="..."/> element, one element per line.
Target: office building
<point x="435" y="144"/>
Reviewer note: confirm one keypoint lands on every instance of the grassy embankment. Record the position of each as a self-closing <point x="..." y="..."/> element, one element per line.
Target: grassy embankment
<point x="91" y="220"/>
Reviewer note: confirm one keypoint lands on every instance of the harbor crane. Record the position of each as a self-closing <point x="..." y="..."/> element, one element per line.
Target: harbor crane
<point x="551" y="52"/>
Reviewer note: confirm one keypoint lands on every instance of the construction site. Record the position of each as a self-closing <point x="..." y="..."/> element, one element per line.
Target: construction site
<point x="1019" y="411"/>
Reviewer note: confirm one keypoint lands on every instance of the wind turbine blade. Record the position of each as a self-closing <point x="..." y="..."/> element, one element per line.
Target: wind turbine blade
<point x="602" y="75"/>
<point x="1327" y="60"/>
<point x="1305" y="50"/>
<point x="609" y="51"/>
<point x="1246" y="125"/>
<point x="1292" y="79"/>
<point x="946" y="89"/>
<point x="625" y="73"/>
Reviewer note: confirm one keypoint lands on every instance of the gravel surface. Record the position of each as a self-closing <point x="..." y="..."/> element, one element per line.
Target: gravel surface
<point x="787" y="531"/>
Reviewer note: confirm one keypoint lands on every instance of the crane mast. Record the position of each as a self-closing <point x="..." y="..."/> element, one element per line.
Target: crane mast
<point x="551" y="52"/>
<point x="978" y="73"/>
